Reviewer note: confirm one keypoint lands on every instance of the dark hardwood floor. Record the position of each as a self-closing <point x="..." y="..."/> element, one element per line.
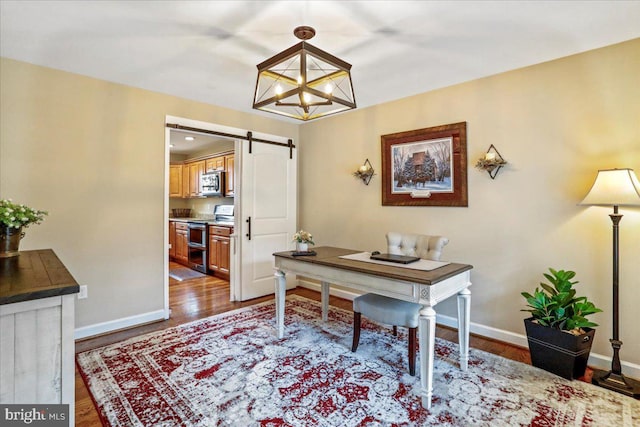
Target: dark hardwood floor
<point x="198" y="298"/>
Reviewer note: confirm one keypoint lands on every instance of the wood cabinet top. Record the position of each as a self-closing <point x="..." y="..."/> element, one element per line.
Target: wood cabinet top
<point x="34" y="275"/>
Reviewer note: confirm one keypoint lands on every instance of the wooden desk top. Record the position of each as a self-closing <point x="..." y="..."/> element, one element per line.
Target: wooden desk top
<point x="34" y="275"/>
<point x="329" y="256"/>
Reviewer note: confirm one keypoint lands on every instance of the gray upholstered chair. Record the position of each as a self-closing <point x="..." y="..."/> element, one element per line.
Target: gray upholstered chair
<point x="392" y="311"/>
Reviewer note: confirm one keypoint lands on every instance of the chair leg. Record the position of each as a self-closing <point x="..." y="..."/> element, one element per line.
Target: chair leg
<point x="412" y="351"/>
<point x="356" y="331"/>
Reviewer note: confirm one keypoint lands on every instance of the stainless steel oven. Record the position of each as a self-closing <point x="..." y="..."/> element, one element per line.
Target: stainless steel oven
<point x="197" y="237"/>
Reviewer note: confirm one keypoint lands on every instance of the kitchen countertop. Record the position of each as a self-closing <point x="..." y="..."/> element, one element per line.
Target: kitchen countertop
<point x="33" y="275"/>
<point x="202" y="220"/>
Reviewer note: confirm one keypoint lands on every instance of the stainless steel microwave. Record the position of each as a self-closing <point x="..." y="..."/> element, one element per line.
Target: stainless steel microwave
<point x="212" y="184"/>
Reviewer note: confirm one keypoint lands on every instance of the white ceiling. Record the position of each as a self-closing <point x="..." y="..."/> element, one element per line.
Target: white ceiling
<point x="201" y="142"/>
<point x="208" y="50"/>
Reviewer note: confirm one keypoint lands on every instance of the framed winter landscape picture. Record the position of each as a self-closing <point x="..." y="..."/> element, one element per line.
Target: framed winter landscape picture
<point x="425" y="167"/>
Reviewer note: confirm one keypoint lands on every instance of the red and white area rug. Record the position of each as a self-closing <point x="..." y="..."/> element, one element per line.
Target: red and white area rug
<point x="231" y="370"/>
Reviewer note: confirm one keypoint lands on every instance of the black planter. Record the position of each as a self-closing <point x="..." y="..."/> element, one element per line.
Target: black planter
<point x="559" y="352"/>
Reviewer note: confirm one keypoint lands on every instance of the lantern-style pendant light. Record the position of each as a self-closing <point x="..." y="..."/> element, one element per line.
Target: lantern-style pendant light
<point x="304" y="82"/>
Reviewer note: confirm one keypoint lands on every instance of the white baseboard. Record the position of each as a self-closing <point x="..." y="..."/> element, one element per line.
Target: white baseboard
<point x="597" y="361"/>
<point x="485" y="331"/>
<point x="117" y="324"/>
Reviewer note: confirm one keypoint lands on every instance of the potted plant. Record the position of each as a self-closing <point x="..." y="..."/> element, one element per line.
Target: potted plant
<point x="13" y="218"/>
<point x="303" y="239"/>
<point x="558" y="332"/>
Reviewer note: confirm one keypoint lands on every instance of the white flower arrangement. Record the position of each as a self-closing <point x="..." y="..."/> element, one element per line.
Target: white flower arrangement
<point x="303" y="237"/>
<point x="15" y="216"/>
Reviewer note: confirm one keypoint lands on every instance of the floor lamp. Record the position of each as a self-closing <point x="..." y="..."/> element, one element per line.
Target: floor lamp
<point x="615" y="187"/>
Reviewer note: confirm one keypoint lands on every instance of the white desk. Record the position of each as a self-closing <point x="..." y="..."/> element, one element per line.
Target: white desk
<point x="425" y="287"/>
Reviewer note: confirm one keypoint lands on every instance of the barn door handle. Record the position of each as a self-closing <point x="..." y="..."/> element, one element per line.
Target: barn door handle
<point x="249" y="229"/>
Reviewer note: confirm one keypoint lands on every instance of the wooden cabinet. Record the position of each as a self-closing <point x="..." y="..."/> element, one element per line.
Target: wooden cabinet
<point x="181" y="243"/>
<point x="172" y="238"/>
<point x="230" y="178"/>
<point x="220" y="250"/>
<point x="37" y="347"/>
<point x="185" y="180"/>
<point x="219" y="247"/>
<point x="175" y="181"/>
<point x="196" y="169"/>
<point x="214" y="163"/>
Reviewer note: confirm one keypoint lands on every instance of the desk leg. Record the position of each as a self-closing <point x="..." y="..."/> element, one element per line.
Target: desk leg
<point x="427" y="331"/>
<point x="281" y="286"/>
<point x="324" y="297"/>
<point x="464" y="312"/>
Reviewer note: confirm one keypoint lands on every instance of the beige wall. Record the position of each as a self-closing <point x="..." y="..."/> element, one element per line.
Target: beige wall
<point x="92" y="154"/>
<point x="556" y="124"/>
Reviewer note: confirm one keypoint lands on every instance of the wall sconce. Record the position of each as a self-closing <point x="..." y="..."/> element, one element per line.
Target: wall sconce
<point x="491" y="162"/>
<point x="365" y="172"/>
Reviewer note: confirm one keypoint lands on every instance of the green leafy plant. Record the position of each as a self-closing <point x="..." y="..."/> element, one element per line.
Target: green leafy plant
<point x="556" y="304"/>
<point x="13" y="215"/>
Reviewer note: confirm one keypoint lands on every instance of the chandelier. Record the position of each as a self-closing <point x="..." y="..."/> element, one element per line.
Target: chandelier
<point x="304" y="82"/>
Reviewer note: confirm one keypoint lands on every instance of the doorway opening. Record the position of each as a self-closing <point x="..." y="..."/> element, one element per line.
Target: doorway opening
<point x="200" y="220"/>
<point x="264" y="172"/>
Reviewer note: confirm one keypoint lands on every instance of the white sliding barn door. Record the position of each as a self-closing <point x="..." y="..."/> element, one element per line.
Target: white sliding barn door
<point x="268" y="213"/>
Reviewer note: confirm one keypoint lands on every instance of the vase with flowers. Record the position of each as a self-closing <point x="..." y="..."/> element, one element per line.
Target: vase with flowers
<point x="13" y="218"/>
<point x="303" y="239"/>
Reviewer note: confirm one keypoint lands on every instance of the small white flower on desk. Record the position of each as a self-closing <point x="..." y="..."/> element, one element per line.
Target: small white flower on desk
<point x="303" y="239"/>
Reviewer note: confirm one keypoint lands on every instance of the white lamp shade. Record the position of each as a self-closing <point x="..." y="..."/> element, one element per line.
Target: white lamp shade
<point x="614" y="187"/>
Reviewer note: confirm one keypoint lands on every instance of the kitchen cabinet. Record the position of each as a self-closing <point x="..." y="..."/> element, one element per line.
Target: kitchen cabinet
<point x="185" y="181"/>
<point x="220" y="250"/>
<point x="172" y="238"/>
<point x="182" y="240"/>
<point x="214" y="163"/>
<point x="229" y="178"/>
<point x="196" y="169"/>
<point x="175" y="181"/>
